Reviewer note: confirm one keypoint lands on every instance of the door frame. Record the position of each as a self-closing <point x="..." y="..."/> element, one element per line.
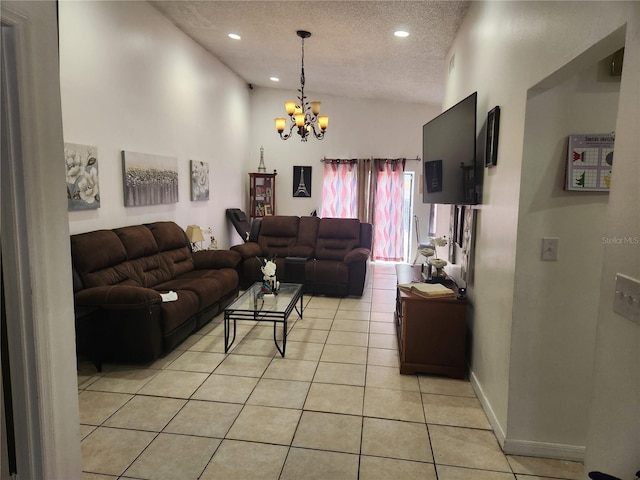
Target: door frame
<point x="34" y="230"/>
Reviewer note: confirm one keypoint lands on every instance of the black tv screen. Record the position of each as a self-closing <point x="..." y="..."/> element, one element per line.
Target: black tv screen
<point x="449" y="155"/>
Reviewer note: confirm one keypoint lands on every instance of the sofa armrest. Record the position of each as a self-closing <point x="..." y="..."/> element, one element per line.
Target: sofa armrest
<point x="206" y="259"/>
<point x="117" y="297"/>
<point x="357" y="255"/>
<point x="248" y="250"/>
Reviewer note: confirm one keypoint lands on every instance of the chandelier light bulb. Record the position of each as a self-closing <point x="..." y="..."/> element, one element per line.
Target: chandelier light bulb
<point x="280" y="123"/>
<point x="290" y="107"/>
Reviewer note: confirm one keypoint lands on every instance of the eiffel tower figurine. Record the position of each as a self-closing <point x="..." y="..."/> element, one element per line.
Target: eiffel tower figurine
<point x="302" y="188"/>
<point x="261" y="167"/>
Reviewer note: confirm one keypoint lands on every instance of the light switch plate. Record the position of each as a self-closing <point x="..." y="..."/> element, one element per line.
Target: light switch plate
<point x="627" y="297"/>
<point x="550" y="248"/>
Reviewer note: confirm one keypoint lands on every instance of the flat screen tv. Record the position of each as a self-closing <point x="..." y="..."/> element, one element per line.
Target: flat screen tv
<point x="449" y="155"/>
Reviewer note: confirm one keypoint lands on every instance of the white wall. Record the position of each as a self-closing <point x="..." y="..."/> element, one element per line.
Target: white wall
<point x="502" y="50"/>
<point x="614" y="429"/>
<point x="131" y="80"/>
<point x="547" y="318"/>
<point x="358" y="128"/>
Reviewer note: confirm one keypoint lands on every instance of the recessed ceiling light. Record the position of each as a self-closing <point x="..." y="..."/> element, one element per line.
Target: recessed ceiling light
<point x="274" y="79"/>
<point x="401" y="33"/>
<point x="235" y="36"/>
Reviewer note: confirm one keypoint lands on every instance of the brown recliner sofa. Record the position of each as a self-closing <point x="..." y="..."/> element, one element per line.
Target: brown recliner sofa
<point x="119" y="276"/>
<point x="328" y="255"/>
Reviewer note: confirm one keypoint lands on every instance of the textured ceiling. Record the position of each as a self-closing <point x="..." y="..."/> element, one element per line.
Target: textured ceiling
<point x="352" y="51"/>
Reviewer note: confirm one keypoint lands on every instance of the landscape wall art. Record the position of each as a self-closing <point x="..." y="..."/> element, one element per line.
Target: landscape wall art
<point x="149" y="179"/>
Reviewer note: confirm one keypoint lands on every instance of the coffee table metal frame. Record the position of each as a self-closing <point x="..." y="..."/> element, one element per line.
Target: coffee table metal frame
<point x="257" y="306"/>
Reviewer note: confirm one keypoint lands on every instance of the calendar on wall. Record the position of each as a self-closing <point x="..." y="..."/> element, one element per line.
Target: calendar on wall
<point x="590" y="162"/>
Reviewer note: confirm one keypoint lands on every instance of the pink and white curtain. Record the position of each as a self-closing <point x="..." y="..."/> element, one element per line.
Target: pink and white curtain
<point x="340" y="189"/>
<point x="388" y="211"/>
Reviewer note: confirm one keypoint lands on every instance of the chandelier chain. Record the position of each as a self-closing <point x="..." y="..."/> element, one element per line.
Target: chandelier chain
<point x="302" y="71"/>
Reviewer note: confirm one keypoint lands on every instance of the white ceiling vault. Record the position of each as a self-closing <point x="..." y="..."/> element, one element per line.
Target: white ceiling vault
<point x="352" y="50"/>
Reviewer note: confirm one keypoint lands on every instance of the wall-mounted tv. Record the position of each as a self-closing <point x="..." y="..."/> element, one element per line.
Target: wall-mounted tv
<point x="449" y="155"/>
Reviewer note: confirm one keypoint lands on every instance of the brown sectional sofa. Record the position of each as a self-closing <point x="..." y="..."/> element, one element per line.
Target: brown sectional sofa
<point x="328" y="255"/>
<point x="119" y="276"/>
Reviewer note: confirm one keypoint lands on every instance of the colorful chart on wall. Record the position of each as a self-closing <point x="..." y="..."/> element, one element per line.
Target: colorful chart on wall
<point x="590" y="162"/>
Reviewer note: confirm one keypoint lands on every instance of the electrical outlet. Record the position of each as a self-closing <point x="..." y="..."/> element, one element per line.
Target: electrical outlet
<point x="627" y="298"/>
<point x="550" y="248"/>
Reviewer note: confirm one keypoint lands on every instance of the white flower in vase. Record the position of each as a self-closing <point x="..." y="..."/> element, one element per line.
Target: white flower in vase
<point x="268" y="270"/>
<point x="439" y="241"/>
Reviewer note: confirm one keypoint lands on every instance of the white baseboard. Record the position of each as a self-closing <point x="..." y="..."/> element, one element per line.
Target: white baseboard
<point x="544" y="450"/>
<point x="488" y="410"/>
<point x="524" y="447"/>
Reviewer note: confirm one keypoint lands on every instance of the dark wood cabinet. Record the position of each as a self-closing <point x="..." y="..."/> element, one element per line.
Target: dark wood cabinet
<point x="262" y="194"/>
<point x="431" y="331"/>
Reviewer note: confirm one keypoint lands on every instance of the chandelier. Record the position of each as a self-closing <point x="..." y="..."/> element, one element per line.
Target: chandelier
<point x="304" y="115"/>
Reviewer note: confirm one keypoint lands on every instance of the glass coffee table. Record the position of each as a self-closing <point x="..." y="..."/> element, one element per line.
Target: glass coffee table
<point x="255" y="305"/>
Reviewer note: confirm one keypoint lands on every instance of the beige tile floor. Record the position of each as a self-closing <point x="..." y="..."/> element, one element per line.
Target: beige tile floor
<point x="335" y="408"/>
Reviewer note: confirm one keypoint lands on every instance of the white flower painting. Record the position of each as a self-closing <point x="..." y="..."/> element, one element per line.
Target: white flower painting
<point x="199" y="181"/>
<point x="83" y="190"/>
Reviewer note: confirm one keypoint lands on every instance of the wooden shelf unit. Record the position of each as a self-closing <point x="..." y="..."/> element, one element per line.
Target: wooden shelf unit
<point x="262" y="194"/>
<point x="432" y="332"/>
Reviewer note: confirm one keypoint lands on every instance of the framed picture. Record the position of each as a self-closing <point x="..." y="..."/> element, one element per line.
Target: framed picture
<point x="459" y="224"/>
<point x="590" y="162"/>
<point x="453" y="231"/>
<point x="81" y="162"/>
<point x="493" y="127"/>
<point x="268" y="210"/>
<point x="149" y="179"/>
<point x="302" y="181"/>
<point x="468" y="243"/>
<point x="199" y="181"/>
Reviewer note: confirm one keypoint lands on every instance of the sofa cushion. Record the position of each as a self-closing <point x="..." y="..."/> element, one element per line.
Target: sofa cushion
<point x="208" y="285"/>
<point x="93" y="251"/>
<point x="138" y="241"/>
<point x="100" y="259"/>
<point x="175" y="314"/>
<point x="178" y="261"/>
<point x="280" y="226"/>
<point x="278" y="235"/>
<point x="151" y="270"/>
<point x="168" y="235"/>
<point x="337" y="237"/>
<point x="143" y="252"/>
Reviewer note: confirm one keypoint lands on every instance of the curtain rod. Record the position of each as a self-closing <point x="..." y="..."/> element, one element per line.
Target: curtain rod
<point x="325" y="159"/>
